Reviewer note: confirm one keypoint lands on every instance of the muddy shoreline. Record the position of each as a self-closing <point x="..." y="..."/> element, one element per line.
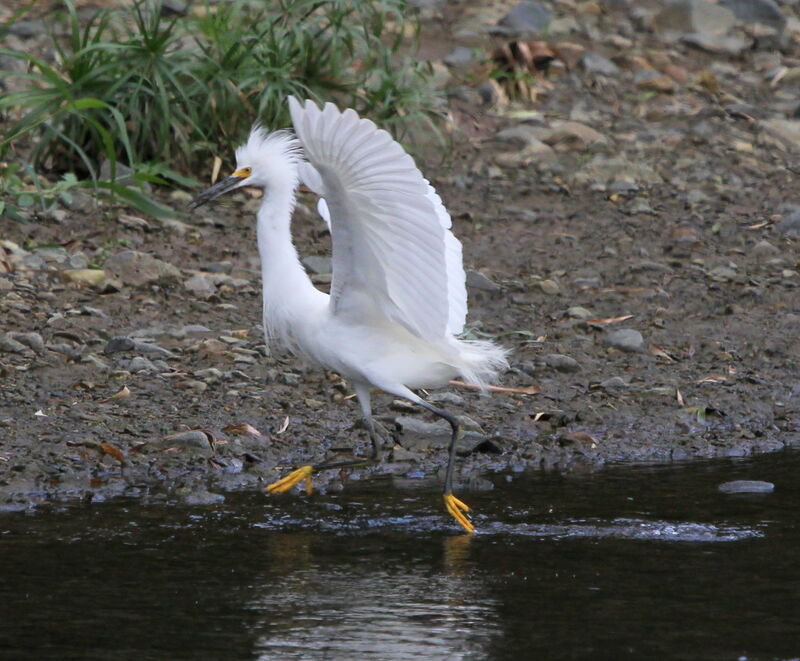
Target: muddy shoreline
<point x="643" y="269"/>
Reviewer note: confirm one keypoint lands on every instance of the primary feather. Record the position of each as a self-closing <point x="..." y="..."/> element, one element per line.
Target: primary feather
<point x="391" y="239"/>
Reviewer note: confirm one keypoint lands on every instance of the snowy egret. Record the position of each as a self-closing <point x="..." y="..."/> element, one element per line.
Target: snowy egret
<point x="398" y="298"/>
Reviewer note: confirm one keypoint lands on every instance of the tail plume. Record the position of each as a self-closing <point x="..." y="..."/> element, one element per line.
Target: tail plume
<point x="481" y="361"/>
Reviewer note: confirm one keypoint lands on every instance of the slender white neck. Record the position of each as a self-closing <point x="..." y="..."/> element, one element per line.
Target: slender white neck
<point x="287" y="290"/>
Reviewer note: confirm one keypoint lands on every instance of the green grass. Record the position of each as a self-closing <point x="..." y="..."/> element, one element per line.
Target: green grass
<point x="161" y="96"/>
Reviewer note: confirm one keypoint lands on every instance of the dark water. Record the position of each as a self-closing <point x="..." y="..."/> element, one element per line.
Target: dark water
<point x="628" y="563"/>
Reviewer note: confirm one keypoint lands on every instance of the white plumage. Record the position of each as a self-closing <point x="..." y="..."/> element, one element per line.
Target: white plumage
<point x="398" y="297"/>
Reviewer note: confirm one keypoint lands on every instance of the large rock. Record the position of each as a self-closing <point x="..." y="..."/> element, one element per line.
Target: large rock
<point x="526" y="20"/>
<point x="416" y="434"/>
<point x="765" y="12"/>
<point x="746" y="486"/>
<point x="597" y="64"/>
<point x="786" y="131"/>
<point x="569" y="133"/>
<point x="695" y="16"/>
<point x="625" y="339"/>
<point x="722" y="44"/>
<point x="604" y="169"/>
<point x="138" y="268"/>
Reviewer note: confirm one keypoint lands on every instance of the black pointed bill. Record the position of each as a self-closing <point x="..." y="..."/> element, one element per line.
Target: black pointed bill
<point x="220" y="188"/>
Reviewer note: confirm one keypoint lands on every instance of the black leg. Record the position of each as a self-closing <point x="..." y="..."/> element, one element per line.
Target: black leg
<point x="455" y="425"/>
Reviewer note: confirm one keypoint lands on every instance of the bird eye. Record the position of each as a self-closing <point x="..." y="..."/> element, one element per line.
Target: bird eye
<point x="242" y="173"/>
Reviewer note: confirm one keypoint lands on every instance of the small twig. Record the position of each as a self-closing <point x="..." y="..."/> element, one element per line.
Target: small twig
<point x="524" y="390"/>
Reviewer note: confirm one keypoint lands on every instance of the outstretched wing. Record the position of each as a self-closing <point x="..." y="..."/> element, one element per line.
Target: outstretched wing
<point x="393" y="251"/>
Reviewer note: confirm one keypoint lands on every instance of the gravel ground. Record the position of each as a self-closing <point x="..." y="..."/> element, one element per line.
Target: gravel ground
<point x="631" y="233"/>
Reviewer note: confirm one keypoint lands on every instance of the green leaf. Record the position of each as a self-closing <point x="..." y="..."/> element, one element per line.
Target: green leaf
<point x="137" y="199"/>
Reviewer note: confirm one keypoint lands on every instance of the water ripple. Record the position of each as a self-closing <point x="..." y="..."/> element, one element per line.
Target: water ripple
<point x="637" y="529"/>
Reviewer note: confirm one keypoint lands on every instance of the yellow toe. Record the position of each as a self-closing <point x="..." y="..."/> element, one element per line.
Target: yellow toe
<point x="286" y="483"/>
<point x="457" y="510"/>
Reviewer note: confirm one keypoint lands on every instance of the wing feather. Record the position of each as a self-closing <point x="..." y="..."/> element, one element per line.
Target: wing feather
<point x="393" y="252"/>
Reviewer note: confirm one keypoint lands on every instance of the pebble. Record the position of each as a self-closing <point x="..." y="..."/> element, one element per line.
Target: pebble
<point x="201" y="285"/>
<point x="10" y="345"/>
<point x="625" y="339"/>
<point x="652" y="80"/>
<point x="597" y="64"/>
<point x="526" y="20"/>
<point x="614" y="383"/>
<point x="764" y="249"/>
<point x="561" y="363"/>
<point x="96" y="362"/>
<point x="578" y="312"/>
<point x="786" y="131"/>
<point x="549" y="287"/>
<point x="477" y="280"/>
<point x="93" y="277"/>
<point x="26" y="29"/>
<point x="416" y="434"/>
<point x="746" y="486"/>
<point x="790" y="224"/>
<point x="536" y="153"/>
<point x="460" y="57"/>
<point x="694" y="16"/>
<point x="176" y="226"/>
<point x="137" y="268"/>
<point x="318" y="265"/>
<point x="723" y="274"/>
<point x="32" y="340"/>
<point x="603" y="169"/>
<point x="174" y="8"/>
<point x="717" y="43"/>
<point x="193" y="439"/>
<point x="141" y="364"/>
<point x="696" y="196"/>
<point x="202" y="498"/>
<point x="116" y="344"/>
<point x="198" y="386"/>
<point x="765" y="12"/>
<point x="122" y="343"/>
<point x="209" y="375"/>
<point x="569" y="133"/>
<point x="444" y="397"/>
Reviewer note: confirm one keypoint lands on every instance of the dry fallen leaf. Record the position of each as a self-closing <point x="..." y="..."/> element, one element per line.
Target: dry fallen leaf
<point x="215" y="168"/>
<point x="133" y="222"/>
<point x="122" y="394"/>
<point x="243" y="429"/>
<point x="679" y="397"/>
<point x="284" y="426"/>
<point x="714" y="378"/>
<point x="609" y="320"/>
<point x="524" y="390"/>
<point x="114" y="451"/>
<point x="660" y="352"/>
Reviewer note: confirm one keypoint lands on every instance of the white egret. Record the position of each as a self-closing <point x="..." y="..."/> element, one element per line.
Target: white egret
<point x="398" y="298"/>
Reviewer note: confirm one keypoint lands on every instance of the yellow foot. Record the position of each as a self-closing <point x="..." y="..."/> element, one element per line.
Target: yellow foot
<point x="286" y="483"/>
<point x="457" y="509"/>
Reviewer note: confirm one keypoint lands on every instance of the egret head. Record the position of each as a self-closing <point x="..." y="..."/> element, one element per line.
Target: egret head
<point x="267" y="160"/>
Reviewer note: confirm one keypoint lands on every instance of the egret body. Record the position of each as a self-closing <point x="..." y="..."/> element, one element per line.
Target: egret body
<point x="398" y="299"/>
